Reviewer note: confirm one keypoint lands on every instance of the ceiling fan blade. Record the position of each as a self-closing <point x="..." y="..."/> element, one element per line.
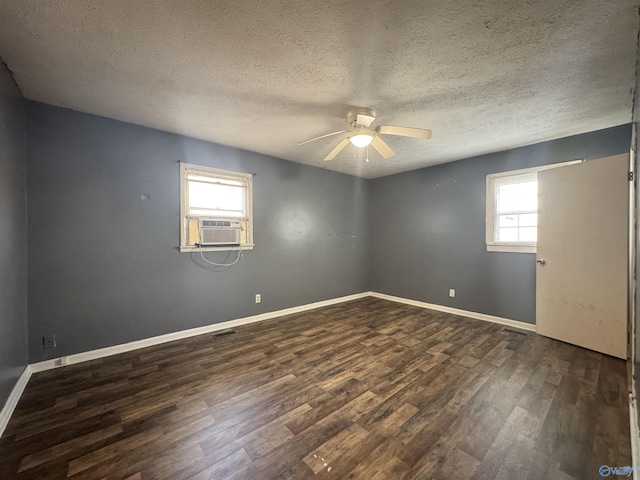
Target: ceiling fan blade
<point x="404" y="131"/>
<point x="381" y="147"/>
<point x="338" y="148"/>
<point x="322" y="136"/>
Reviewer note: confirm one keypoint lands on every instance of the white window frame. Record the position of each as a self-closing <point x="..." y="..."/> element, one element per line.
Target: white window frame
<point x="247" y="178"/>
<point x="495" y="179"/>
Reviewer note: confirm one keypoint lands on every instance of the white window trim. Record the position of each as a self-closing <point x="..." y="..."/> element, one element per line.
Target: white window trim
<point x="248" y="177"/>
<point x="517" y="247"/>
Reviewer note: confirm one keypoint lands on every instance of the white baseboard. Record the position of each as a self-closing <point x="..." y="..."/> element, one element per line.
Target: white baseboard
<point x="20" y="385"/>
<point x="147" y="342"/>
<point x="12" y="401"/>
<point x="170" y="337"/>
<point x="456" y="311"/>
<point x="635" y="433"/>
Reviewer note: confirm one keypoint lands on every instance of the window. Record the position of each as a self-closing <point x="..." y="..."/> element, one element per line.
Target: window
<point x="512" y="209"/>
<point x="215" y="209"/>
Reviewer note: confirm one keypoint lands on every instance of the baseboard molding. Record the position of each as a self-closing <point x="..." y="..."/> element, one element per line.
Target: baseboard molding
<point x="456" y="311"/>
<point x="12" y="401"/>
<point x="170" y="337"/>
<point x="635" y="433"/>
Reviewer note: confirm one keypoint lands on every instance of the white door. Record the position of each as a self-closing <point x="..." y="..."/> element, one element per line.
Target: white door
<point x="582" y="254"/>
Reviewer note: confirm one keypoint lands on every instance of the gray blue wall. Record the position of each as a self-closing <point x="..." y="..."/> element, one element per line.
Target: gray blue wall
<point x="103" y="264"/>
<point x="428" y="229"/>
<point x="13" y="235"/>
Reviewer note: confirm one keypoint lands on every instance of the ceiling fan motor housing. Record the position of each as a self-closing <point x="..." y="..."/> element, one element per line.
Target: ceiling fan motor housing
<point x="361" y="117"/>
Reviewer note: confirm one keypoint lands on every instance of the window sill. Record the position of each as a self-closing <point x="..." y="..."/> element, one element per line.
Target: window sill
<point x="511" y="248"/>
<point x="190" y="248"/>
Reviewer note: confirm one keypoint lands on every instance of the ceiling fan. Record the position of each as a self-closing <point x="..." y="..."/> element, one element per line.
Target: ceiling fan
<point x="361" y="134"/>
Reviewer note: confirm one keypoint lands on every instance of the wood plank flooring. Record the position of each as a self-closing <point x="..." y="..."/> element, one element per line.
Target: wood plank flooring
<point x="368" y="389"/>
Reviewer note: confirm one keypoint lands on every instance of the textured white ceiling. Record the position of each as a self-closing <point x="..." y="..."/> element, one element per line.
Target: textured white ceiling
<point x="263" y="75"/>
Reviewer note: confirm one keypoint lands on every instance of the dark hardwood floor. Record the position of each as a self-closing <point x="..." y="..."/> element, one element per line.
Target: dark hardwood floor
<point x="368" y="389"/>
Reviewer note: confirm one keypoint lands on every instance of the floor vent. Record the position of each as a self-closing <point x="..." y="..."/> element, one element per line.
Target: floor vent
<point x="223" y="333"/>
<point x="519" y="332"/>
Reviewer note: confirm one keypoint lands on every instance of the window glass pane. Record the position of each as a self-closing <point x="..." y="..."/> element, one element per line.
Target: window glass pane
<point x="506" y="204"/>
<point x="517" y="197"/>
<point x="508" y="221"/>
<point x="506" y="196"/>
<point x="528" y="234"/>
<point x="509" y="190"/>
<point x="528" y="201"/>
<point x="529" y="189"/>
<point x="528" y="219"/>
<point x="215" y="199"/>
<point x="508" y="235"/>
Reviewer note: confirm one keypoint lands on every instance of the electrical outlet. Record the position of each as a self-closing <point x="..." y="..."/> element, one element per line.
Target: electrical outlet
<point x="452" y="292"/>
<point x="258" y="298"/>
<point x="49" y="341"/>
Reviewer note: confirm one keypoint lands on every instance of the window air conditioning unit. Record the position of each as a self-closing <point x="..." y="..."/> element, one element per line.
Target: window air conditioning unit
<point x="219" y="232"/>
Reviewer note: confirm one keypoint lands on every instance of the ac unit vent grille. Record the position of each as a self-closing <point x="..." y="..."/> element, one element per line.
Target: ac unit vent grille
<point x="220" y="236"/>
<point x="216" y="223"/>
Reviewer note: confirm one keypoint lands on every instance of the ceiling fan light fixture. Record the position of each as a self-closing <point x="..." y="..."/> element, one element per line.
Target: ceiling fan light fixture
<point x="361" y="135"/>
<point x="361" y="140"/>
